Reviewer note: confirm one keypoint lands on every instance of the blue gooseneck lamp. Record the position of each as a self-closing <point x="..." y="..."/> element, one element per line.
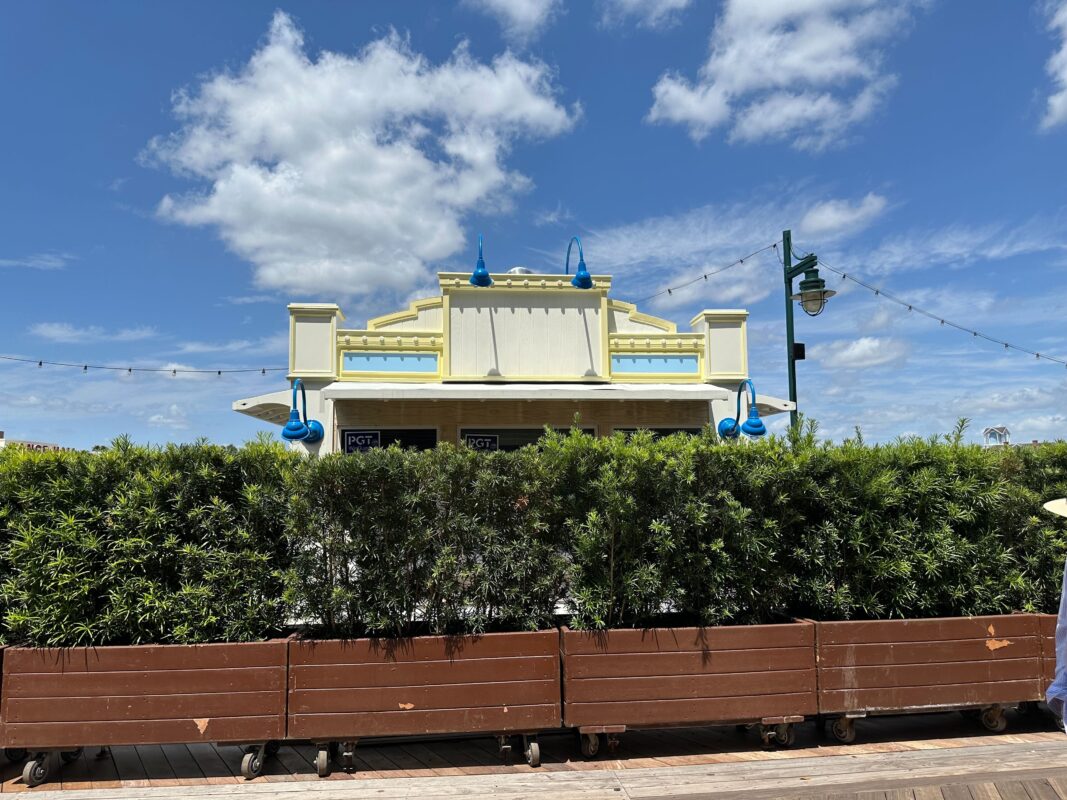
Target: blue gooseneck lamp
<point x="307" y="431"/>
<point x="582" y="279"/>
<point x="480" y="276"/>
<point x="753" y="426"/>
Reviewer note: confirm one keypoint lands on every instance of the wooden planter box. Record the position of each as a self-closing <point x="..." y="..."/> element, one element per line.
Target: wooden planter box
<point x="917" y="665"/>
<point x="619" y="679"/>
<point x="1046" y="630"/>
<point x="499" y="683"/>
<point x="64" y="699"/>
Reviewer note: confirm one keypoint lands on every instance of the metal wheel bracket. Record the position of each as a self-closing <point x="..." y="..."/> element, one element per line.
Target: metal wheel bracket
<point x="348" y="755"/>
<point x="504" y="745"/>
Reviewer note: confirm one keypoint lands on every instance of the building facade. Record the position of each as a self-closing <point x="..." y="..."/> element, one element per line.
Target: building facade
<point x="491" y="366"/>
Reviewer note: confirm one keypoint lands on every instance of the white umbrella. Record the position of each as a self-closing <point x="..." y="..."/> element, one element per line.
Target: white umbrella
<point x="1057" y="506"/>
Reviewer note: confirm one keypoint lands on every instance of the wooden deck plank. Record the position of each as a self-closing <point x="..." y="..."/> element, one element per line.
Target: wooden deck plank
<point x="181" y="761"/>
<point x="130" y="770"/>
<point x="1040" y="790"/>
<point x="956" y="792"/>
<point x="1060" y="785"/>
<point x="215" y="770"/>
<point x="156" y="766"/>
<point x="985" y="791"/>
<point x="1012" y="790"/>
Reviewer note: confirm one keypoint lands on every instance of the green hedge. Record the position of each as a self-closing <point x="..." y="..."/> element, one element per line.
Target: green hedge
<point x="442" y="541"/>
<point x="205" y="543"/>
<point x="134" y="544"/>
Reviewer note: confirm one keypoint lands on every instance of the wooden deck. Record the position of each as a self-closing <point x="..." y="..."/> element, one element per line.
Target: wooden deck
<point x="935" y="757"/>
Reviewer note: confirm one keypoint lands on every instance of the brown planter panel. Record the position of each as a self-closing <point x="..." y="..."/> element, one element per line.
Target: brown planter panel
<point x="496" y="683"/>
<point x="898" y="665"/>
<point x="1046" y="626"/>
<point x="145" y="694"/>
<point x="688" y="676"/>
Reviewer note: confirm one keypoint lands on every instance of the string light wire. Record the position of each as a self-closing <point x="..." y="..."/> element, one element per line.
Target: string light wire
<point x="914" y="309"/>
<point x="705" y="275"/>
<point x="174" y="371"/>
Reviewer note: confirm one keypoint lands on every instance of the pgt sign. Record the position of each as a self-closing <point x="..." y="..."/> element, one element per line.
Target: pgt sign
<point x="482" y="441"/>
<point x="360" y="441"/>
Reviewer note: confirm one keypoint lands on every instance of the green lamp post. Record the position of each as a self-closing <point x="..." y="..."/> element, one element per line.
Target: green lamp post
<point x="812" y="298"/>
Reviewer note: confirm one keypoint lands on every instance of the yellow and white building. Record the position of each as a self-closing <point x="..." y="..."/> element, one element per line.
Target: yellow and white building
<point x="492" y="366"/>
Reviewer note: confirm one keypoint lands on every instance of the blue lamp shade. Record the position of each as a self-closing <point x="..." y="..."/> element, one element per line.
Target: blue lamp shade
<point x="727" y="429"/>
<point x="294" y="430"/>
<point x="582" y="279"/>
<point x="303" y="430"/>
<point x="753" y="426"/>
<point x="480" y="276"/>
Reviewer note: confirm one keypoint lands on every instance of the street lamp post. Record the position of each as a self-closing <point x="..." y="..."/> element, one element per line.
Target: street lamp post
<point x="812" y="298"/>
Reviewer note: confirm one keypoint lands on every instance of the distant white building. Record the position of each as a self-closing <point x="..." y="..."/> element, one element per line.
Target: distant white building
<point x="30" y="445"/>
<point x="492" y="365"/>
<point x="996" y="436"/>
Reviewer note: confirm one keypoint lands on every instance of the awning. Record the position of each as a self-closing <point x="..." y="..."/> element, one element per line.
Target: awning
<point x="274" y="407"/>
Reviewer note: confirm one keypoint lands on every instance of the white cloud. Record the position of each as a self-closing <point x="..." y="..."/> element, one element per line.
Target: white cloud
<point x="647" y="13"/>
<point x="174" y="418"/>
<point x="279" y="343"/>
<point x="521" y="20"/>
<point x="658" y="252"/>
<point x="806" y="71"/>
<point x="555" y="216"/>
<point x="959" y="245"/>
<point x="45" y="261"/>
<point x="1011" y="400"/>
<point x="250" y="299"/>
<point x="1056" y="110"/>
<point x="867" y="351"/>
<point x="1048" y="426"/>
<point x="350" y="174"/>
<point x="841" y="217"/>
<point x="65" y="332"/>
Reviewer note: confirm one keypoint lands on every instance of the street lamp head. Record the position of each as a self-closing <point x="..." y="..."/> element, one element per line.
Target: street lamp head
<point x="813" y="293"/>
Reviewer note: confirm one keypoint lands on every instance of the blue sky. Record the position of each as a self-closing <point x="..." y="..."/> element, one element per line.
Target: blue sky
<point x="173" y="174"/>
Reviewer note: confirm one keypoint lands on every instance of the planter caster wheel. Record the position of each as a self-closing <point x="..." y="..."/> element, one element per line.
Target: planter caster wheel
<point x="272" y="748"/>
<point x="843" y="730"/>
<point x="785" y="735"/>
<point x="993" y="720"/>
<point x="252" y="764"/>
<point x="322" y="762"/>
<point x="590" y="744"/>
<point x="37" y="770"/>
<point x="16" y="753"/>
<point x="70" y="756"/>
<point x="766" y="735"/>
<point x="532" y="751"/>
